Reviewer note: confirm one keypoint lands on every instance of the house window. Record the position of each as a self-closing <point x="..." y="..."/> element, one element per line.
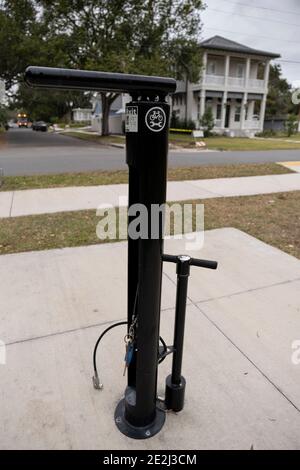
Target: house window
<point x="211" y="67"/>
<point x="237" y="114"/>
<point x="219" y="111"/>
<point x="240" y="70"/>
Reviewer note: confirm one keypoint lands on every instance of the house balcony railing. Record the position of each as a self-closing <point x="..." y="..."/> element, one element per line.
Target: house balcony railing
<point x="216" y="80"/>
<point x="234" y="82"/>
<point x="256" y="84"/>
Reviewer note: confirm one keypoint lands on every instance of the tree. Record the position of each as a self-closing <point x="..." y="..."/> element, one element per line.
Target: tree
<point x="153" y="37"/>
<point x="48" y="106"/>
<point x="130" y="36"/>
<point x="291" y="124"/>
<point x="20" y="38"/>
<point x="24" y="41"/>
<point x="3" y="116"/>
<point x="207" y="122"/>
<point x="279" y="101"/>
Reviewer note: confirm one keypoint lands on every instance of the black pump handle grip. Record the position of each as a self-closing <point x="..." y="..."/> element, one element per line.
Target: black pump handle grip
<point x="202" y="263"/>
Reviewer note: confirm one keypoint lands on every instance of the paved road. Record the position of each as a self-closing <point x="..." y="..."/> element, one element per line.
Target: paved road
<point x="27" y="152"/>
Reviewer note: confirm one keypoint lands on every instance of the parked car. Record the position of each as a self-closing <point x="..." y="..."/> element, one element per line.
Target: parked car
<point x="39" y="126"/>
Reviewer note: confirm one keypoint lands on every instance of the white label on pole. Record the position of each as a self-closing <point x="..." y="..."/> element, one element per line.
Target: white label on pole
<point x="155" y="119"/>
<point x="131" y="119"/>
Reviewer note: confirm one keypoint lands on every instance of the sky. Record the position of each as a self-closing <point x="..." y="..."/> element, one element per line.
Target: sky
<point x="270" y="25"/>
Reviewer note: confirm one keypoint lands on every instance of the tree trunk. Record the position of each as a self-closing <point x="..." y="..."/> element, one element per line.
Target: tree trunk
<point x="186" y="99"/>
<point x="106" y="99"/>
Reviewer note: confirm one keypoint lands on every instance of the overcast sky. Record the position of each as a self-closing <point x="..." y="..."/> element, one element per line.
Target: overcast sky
<point x="271" y="25"/>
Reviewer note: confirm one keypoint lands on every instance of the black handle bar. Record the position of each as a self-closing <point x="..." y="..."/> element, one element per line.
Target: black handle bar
<point x="202" y="263"/>
<point x="97" y="81"/>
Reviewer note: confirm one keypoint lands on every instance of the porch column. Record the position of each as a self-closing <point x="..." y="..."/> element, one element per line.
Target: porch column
<point x="243" y="111"/>
<point x="204" y="66"/>
<point x="266" y="75"/>
<point x="227" y="65"/>
<point x="248" y="67"/>
<point x="223" y="113"/>
<point x="251" y="110"/>
<point x="202" y="102"/>
<point x="262" y="112"/>
<point x="190" y="102"/>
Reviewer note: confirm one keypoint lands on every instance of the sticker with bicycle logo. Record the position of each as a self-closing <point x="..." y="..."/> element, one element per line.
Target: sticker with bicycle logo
<point x="155" y="119"/>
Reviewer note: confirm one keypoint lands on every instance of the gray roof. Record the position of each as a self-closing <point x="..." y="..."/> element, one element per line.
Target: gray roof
<point x="223" y="44"/>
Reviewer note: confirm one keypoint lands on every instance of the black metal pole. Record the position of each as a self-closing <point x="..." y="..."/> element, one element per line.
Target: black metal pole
<point x="138" y="415"/>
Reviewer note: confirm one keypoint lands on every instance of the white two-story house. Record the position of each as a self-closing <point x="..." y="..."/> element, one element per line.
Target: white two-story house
<point x="234" y="83"/>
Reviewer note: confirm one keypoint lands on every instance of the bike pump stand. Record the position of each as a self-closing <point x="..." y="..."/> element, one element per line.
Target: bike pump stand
<point x="139" y="414"/>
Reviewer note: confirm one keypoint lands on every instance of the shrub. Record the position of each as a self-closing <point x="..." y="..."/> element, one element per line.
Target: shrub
<point x="177" y="123"/>
<point x="3" y="117"/>
<point x="207" y="122"/>
<point x="267" y="133"/>
<point x="291" y="125"/>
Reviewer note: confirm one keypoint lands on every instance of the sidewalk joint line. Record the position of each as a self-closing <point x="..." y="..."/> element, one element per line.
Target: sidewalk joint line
<point x="59" y="333"/>
<point x="248" y="358"/>
<point x="242" y="352"/>
<point x="254" y="289"/>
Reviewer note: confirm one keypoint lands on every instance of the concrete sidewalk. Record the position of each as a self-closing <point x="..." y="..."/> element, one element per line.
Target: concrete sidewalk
<point x="40" y="201"/>
<point x="242" y="386"/>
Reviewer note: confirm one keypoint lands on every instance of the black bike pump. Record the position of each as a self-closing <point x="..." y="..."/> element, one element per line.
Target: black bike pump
<point x="175" y="382"/>
<point x="147" y="122"/>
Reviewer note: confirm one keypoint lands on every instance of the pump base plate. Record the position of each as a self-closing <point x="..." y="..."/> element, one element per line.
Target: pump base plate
<point x="136" y="432"/>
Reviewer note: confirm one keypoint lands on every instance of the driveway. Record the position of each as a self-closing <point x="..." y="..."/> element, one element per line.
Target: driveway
<point x="27" y="152"/>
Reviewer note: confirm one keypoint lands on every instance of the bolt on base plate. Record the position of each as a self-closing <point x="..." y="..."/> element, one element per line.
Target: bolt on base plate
<point x="136" y="432"/>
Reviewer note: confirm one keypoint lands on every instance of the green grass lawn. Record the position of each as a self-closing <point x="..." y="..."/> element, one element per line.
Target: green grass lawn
<point x="12" y="183"/>
<point x="285" y="137"/>
<point x="236" y="143"/>
<point x="273" y="218"/>
<point x="212" y="143"/>
<point x="99" y="139"/>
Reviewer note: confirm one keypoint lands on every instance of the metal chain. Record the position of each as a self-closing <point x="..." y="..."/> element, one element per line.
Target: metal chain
<point x="131" y="331"/>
